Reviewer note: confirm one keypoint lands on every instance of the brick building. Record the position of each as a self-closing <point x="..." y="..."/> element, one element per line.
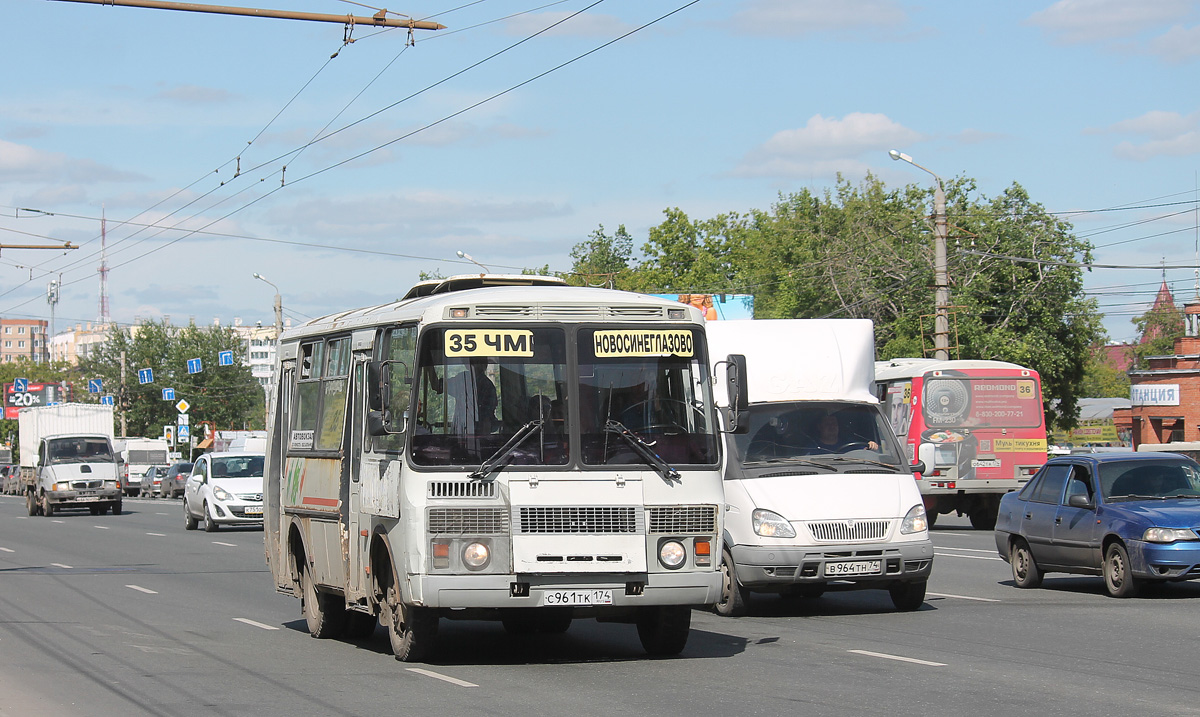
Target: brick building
<point x="1166" y="394"/>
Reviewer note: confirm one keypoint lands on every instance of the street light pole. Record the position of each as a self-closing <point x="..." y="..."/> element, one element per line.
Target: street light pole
<point x="464" y="255"/>
<point x="278" y="307"/>
<point x="941" y="279"/>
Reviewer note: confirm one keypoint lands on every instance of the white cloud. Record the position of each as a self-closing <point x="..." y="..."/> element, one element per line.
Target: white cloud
<point x="1165" y="134"/>
<point x="1080" y="21"/>
<point x="22" y="163"/>
<point x="825" y="146"/>
<point x="587" y="24"/>
<point x="1181" y="145"/>
<point x="1179" y="44"/>
<point x="801" y="17"/>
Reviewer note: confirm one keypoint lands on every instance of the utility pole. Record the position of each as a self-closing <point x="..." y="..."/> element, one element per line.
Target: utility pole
<point x="941" y="278"/>
<point x="379" y="19"/>
<point x="123" y="396"/>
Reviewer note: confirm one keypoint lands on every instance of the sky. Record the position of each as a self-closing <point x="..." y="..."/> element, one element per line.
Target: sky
<point x="217" y="147"/>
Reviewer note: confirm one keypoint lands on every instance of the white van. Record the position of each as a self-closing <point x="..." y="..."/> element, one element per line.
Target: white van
<point x="819" y="495"/>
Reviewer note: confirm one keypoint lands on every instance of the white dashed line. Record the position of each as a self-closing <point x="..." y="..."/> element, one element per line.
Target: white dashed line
<point x="56" y="521"/>
<point x="992" y="551"/>
<point x="962" y="597"/>
<point x="8" y="550"/>
<point x="60" y="565"/>
<point x="255" y="624"/>
<point x="100" y="527"/>
<point x="139" y="588"/>
<point x="160" y="535"/>
<point x="969" y="557"/>
<point x="444" y="678"/>
<point x="898" y="658"/>
<point x="227" y="545"/>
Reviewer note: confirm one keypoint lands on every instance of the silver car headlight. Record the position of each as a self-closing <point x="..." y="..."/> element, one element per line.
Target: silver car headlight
<point x="770" y="524"/>
<point x="1169" y="535"/>
<point x="221" y="494"/>
<point x="915" y="521"/>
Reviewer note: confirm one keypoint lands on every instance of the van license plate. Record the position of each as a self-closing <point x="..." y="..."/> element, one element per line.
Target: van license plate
<point x="576" y="597"/>
<point x="88" y="499"/>
<point x="852" y="567"/>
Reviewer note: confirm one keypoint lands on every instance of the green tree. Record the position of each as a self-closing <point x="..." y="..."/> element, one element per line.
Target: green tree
<point x="1101" y="379"/>
<point x="602" y="260"/>
<point x="227" y="396"/>
<point x="57" y="372"/>
<point x="1157" y="330"/>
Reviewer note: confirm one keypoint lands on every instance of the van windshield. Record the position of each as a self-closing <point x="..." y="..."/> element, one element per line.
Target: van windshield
<point x="79" y="450"/>
<point x="821" y="431"/>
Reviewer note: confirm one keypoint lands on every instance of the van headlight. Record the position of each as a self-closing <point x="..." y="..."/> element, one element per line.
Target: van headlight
<point x="915" y="521"/>
<point x="770" y="524"/>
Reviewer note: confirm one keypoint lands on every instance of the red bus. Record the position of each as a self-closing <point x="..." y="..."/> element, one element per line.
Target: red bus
<point x="977" y="425"/>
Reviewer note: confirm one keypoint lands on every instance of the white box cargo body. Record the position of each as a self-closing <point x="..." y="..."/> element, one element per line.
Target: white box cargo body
<point x="818" y="493"/>
<point x="36" y="423"/>
<point x="67" y="458"/>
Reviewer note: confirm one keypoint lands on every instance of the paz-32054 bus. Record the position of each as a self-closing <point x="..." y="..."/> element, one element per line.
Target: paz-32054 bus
<point x="501" y="448"/>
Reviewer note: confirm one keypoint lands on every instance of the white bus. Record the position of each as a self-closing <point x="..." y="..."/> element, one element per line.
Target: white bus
<point x="498" y="448"/>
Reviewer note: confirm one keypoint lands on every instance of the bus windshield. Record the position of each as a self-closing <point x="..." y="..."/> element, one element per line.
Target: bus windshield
<point x="651" y="382"/>
<point x="476" y="388"/>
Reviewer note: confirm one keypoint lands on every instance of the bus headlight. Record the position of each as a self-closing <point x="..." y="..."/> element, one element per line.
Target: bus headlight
<point x="671" y="554"/>
<point x="916" y="520"/>
<point x="476" y="556"/>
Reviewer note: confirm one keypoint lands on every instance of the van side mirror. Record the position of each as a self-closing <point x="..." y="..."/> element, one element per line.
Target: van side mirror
<point x="737" y="415"/>
<point x="918" y="467"/>
<point x="925" y="456"/>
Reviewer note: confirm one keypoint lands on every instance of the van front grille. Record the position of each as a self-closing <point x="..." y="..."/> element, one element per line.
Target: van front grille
<point x="849" y="531"/>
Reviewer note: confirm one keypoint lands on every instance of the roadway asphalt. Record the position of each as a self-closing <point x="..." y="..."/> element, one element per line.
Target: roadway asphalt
<point x="133" y="615"/>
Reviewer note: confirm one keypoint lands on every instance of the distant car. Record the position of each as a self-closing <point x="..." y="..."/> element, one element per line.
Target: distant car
<point x="10" y="480"/>
<point x="1130" y="517"/>
<point x="172" y="482"/>
<point x="152" y="481"/>
<point x="224" y="489"/>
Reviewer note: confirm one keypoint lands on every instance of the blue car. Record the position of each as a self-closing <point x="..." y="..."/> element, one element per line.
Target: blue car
<point x="1131" y="517"/>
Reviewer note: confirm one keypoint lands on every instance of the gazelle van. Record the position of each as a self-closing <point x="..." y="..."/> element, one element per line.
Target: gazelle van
<point x="819" y="495"/>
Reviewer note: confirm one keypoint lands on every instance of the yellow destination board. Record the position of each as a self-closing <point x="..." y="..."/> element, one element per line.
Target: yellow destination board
<point x="489" y="342"/>
<point x="1019" y="445"/>
<point x="643" y="343"/>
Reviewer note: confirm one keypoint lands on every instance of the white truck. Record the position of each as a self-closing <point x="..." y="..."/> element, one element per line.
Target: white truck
<point x="138" y="455"/>
<point x="67" y="458"/>
<point x="819" y="495"/>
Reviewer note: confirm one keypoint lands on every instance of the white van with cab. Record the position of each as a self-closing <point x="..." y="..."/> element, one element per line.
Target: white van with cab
<point x="819" y="495"/>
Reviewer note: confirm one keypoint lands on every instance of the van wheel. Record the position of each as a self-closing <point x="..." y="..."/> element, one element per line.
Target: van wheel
<point x="664" y="630"/>
<point x="324" y="613"/>
<point x="31" y="504"/>
<point x="412" y="630"/>
<point x="908" y="596"/>
<point x="47" y="506"/>
<point x="734" y="601"/>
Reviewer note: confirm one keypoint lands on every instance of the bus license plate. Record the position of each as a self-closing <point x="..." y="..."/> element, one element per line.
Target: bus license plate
<point x="852" y="567"/>
<point x="577" y="597"/>
<point x="985" y="463"/>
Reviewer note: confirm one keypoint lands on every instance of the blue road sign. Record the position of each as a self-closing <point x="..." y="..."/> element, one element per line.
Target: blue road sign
<point x="107" y="401"/>
<point x="225" y="358"/>
<point x="21" y="385"/>
<point x="193" y="365"/>
<point x="183" y="432"/>
<point x="145" y="375"/>
<point x="95" y="385"/>
<point x="168" y="394"/>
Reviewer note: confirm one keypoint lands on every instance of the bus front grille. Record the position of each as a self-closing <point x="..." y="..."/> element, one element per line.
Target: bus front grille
<point x="468" y="521"/>
<point x="594" y="520"/>
<point x="462" y="489"/>
<point x="683" y="519"/>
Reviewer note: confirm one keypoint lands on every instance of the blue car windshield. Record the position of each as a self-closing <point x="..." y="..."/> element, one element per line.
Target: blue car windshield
<point x="1141" y="480"/>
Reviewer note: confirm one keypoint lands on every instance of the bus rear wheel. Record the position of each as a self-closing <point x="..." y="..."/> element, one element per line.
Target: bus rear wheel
<point x="324" y="613"/>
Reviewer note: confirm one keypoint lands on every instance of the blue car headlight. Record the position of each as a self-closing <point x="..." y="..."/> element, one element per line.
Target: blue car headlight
<point x="1169" y="535"/>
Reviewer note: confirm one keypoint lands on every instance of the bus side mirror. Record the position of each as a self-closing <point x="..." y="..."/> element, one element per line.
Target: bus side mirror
<point x="379" y="386"/>
<point x="739" y="397"/>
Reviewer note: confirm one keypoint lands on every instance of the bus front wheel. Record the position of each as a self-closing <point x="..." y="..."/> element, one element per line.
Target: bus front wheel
<point x="664" y="630"/>
<point x="411" y="630"/>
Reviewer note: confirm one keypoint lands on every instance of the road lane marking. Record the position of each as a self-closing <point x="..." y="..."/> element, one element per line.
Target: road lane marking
<point x="60" y="565"/>
<point x="440" y="676"/>
<point x="161" y="535"/>
<point x="248" y="621"/>
<point x="954" y="535"/>
<point x="969" y="557"/>
<point x="898" y="658"/>
<point x="992" y="551"/>
<point x="227" y="545"/>
<point x="8" y="550"/>
<point x="56" y="521"/>
<point x="963" y="597"/>
<point x="101" y="527"/>
<point x="139" y="588"/>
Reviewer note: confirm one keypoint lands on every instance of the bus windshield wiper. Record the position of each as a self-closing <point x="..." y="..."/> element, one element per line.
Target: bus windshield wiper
<point x="501" y="456"/>
<point x="643" y="449"/>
